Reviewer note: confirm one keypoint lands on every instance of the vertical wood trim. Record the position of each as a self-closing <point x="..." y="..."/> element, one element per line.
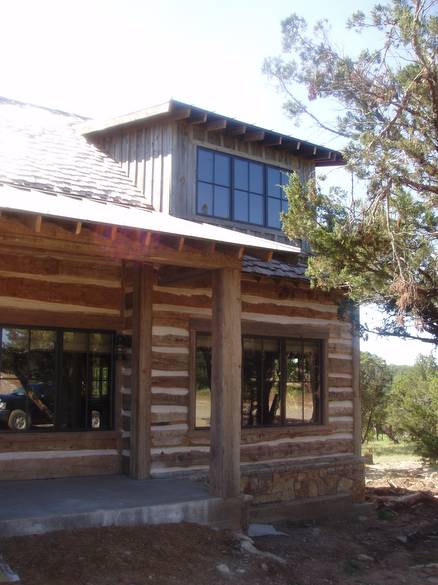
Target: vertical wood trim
<point x="226" y="384"/>
<point x="324" y="382"/>
<point x="192" y="379"/>
<point x="149" y="165"/>
<point x="357" y="435"/>
<point x="141" y="371"/>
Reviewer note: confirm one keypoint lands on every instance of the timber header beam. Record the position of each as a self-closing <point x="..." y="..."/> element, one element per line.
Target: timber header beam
<point x="123" y="244"/>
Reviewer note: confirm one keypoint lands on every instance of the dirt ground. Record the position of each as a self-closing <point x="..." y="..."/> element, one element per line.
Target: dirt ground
<point x="396" y="543"/>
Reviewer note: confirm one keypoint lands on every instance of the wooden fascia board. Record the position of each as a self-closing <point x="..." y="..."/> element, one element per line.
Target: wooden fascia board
<point x="89" y="242"/>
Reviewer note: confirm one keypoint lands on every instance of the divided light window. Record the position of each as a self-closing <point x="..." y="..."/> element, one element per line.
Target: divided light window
<point x="52" y="379"/>
<point x="281" y="381"/>
<point x="230" y="187"/>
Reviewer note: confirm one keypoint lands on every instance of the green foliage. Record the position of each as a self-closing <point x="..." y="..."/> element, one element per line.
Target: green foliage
<point x="383" y="247"/>
<point x="375" y="381"/>
<point x="413" y="406"/>
<point x="385" y="451"/>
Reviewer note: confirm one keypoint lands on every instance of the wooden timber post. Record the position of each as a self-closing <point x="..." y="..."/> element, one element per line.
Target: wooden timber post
<point x="357" y="415"/>
<point x="226" y="384"/>
<point x="141" y="370"/>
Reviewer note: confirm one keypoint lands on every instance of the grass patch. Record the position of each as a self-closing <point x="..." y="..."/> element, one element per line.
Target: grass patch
<point x="386" y="451"/>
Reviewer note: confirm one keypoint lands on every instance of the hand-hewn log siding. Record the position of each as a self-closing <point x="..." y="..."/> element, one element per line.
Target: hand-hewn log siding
<point x="84" y="293"/>
<point x="53" y="290"/>
<point x="177" y="447"/>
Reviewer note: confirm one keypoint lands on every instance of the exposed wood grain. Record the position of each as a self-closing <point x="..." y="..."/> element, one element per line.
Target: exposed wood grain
<point x="55" y="238"/>
<point x="226" y="385"/>
<point x="57" y="292"/>
<point x="141" y="371"/>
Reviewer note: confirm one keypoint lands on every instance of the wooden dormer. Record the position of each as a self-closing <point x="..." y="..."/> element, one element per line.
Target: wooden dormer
<point x="158" y="148"/>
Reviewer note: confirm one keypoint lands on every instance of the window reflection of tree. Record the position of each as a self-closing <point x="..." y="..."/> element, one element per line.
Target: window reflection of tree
<point x="29" y="356"/>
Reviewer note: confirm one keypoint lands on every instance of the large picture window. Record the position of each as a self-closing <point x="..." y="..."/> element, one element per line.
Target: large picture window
<point x="281" y="381"/>
<point x="231" y="187"/>
<point x="52" y="379"/>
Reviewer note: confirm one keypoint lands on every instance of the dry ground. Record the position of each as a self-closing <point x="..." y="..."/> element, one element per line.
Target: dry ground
<point x="385" y="547"/>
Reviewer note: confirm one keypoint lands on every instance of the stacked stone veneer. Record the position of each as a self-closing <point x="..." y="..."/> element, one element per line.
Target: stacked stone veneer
<point x="270" y="483"/>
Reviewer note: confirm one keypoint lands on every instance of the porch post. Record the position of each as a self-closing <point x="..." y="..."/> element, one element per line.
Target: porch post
<point x="225" y="384"/>
<point x="141" y="370"/>
<point x="357" y="416"/>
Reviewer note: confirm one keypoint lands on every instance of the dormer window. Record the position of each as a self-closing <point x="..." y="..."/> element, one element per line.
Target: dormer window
<point x="241" y="190"/>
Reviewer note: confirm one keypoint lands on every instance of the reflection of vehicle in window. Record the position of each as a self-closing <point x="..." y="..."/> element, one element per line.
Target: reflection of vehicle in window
<point x="39" y="409"/>
<point x="52" y="379"/>
<point x="18" y="416"/>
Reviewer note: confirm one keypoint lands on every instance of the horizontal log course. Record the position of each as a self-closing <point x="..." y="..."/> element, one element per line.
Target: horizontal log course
<point x="61" y="293"/>
<point x="284" y="290"/>
<point x="340" y="349"/>
<point x="183" y="300"/>
<point x="52" y="464"/>
<point x="170" y="341"/>
<point x="287" y="311"/>
<point x="58" y="236"/>
<point x="54" y="441"/>
<point x="170" y="381"/>
<point x="170" y="361"/>
<point x="340" y="395"/>
<point x="340" y="366"/>
<point x="62" y="269"/>
<point x="30" y="313"/>
<point x="178" y="400"/>
<point x="188" y="455"/>
<point x="170" y="319"/>
<point x="287" y="450"/>
<point x="338" y="381"/>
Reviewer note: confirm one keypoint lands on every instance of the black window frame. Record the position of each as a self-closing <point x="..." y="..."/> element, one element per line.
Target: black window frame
<point x="58" y="374"/>
<point x="232" y="188"/>
<point x="282" y="341"/>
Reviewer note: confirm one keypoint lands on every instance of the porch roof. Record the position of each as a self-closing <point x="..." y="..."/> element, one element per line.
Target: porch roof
<point x="58" y="206"/>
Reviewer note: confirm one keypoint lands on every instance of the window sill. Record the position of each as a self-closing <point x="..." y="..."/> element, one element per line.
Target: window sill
<point x="61" y="436"/>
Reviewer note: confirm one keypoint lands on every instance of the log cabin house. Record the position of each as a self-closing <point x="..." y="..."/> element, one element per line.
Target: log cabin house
<point x="154" y="319"/>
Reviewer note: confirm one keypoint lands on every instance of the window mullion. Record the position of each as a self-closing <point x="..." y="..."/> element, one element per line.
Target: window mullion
<point x="59" y="340"/>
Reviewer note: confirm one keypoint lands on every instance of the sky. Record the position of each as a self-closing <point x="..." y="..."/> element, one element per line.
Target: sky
<point x="104" y="58"/>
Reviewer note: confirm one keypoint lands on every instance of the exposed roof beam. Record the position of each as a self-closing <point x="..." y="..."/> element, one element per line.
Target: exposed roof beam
<point x="216" y="125"/>
<point x="198" y="118"/>
<point x="238" y="130"/>
<point x="181" y="113"/>
<point x="254" y="136"/>
<point x="273" y="141"/>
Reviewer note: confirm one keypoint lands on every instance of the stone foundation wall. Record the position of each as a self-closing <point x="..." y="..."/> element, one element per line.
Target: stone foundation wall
<point x="282" y="482"/>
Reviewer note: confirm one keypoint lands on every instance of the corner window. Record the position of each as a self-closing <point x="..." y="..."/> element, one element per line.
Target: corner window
<point x="281" y="381"/>
<point x="234" y="188"/>
<point x="55" y="379"/>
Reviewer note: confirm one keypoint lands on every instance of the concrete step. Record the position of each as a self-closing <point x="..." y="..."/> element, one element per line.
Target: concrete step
<point x="40" y="506"/>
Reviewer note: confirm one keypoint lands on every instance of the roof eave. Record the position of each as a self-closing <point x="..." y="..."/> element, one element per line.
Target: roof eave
<point x="176" y="110"/>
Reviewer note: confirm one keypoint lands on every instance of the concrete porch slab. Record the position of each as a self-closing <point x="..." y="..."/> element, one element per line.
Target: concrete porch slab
<point x="39" y="506"/>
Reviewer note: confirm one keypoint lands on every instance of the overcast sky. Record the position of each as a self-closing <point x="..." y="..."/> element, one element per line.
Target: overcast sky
<point x="103" y="58"/>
